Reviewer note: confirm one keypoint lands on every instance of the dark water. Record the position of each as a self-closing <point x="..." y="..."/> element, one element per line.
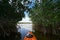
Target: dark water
<point x="25" y="28"/>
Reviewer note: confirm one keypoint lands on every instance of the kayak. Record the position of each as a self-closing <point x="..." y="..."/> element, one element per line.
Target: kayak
<point x="30" y="36"/>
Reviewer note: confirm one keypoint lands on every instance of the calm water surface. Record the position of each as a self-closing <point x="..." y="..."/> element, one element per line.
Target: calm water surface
<point x="25" y="28"/>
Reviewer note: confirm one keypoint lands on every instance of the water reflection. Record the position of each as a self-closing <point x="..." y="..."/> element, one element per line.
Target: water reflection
<point x="26" y="25"/>
<point x="25" y="28"/>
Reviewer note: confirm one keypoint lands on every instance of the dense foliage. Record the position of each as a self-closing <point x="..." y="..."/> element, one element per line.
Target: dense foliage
<point x="46" y="19"/>
<point x="46" y="14"/>
<point x="10" y="13"/>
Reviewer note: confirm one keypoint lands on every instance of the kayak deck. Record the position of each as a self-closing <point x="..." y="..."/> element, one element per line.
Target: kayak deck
<point x="30" y="36"/>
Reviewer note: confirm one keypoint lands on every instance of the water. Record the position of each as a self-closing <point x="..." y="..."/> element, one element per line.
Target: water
<point x="25" y="28"/>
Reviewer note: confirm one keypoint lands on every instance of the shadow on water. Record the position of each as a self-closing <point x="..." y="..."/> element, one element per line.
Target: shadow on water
<point x="23" y="32"/>
<point x="24" y="29"/>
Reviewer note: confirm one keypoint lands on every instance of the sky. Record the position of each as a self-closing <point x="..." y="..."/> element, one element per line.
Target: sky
<point x="26" y="18"/>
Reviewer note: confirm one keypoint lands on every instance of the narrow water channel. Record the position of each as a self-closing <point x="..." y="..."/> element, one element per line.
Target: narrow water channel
<point x="25" y="25"/>
<point x="25" y="28"/>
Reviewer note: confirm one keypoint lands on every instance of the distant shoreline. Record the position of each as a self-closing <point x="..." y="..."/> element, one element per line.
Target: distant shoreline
<point x="25" y="23"/>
